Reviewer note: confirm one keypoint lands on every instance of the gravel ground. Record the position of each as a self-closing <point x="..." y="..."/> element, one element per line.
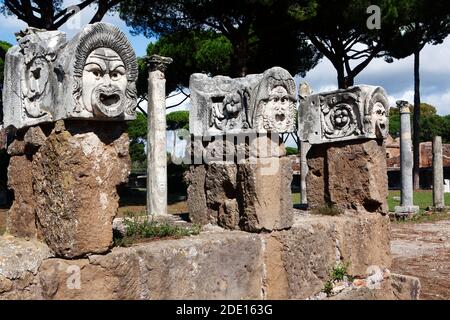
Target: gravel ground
<point x="423" y="250"/>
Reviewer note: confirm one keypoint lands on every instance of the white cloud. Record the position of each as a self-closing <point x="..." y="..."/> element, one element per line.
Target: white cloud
<point x="440" y="101"/>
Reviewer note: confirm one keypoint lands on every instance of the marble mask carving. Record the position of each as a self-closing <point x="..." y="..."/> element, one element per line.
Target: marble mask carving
<point x="92" y="76"/>
<point x="257" y="103"/>
<point x="355" y="113"/>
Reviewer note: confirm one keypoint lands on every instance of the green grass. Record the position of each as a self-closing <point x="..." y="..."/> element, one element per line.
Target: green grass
<point x="424" y="217"/>
<point x="139" y="229"/>
<point x="422" y="198"/>
<point x="327" y="210"/>
<point x="296" y="197"/>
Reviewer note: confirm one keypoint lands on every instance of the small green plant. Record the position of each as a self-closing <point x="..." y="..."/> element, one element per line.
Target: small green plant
<point x="339" y="271"/>
<point x="138" y="228"/>
<point x="327" y="210"/>
<point x="328" y="287"/>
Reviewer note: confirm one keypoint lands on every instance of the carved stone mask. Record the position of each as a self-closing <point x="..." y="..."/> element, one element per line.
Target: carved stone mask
<point x="379" y="119"/>
<point x="36" y="79"/>
<point x="104" y="83"/>
<point x="277" y="113"/>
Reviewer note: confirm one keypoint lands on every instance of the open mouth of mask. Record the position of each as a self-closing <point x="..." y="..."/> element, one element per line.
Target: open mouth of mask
<point x="109" y="100"/>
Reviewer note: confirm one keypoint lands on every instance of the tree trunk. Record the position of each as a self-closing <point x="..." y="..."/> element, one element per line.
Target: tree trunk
<point x="342" y="82"/>
<point x="416" y="119"/>
<point x="349" y="81"/>
<point x="240" y="54"/>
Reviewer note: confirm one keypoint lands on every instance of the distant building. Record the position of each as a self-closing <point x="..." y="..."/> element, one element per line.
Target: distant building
<point x="426" y="163"/>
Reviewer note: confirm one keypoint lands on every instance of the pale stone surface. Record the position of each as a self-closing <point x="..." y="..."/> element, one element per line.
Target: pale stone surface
<point x="221" y="194"/>
<point x="196" y="179"/>
<point x="18" y="257"/>
<point x="264" y="193"/>
<point x="313" y="245"/>
<point x="351" y="176"/>
<point x="253" y="196"/>
<point x="354" y="113"/>
<point x="304" y="149"/>
<point x="210" y="266"/>
<point x="256" y="103"/>
<point x="30" y="80"/>
<point x="265" y="146"/>
<point x="98" y="66"/>
<point x="157" y="140"/>
<point x="406" y="287"/>
<point x="75" y="176"/>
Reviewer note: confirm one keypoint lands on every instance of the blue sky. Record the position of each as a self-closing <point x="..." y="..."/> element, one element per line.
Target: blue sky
<point x="396" y="78"/>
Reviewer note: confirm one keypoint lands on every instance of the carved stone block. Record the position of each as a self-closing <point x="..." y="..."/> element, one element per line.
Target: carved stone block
<point x="356" y="113"/>
<point x="257" y="103"/>
<point x="90" y="77"/>
<point x="349" y="175"/>
<point x="75" y="178"/>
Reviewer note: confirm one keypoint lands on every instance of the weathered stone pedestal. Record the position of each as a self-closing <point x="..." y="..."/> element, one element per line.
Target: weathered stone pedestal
<point x="349" y="175"/>
<point x="252" y="195"/>
<point x="65" y="179"/>
<point x="218" y="264"/>
<point x="238" y="196"/>
<point x="347" y="158"/>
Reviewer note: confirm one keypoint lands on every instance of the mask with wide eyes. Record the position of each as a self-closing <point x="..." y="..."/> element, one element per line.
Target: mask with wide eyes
<point x="379" y="120"/>
<point x="104" y="83"/>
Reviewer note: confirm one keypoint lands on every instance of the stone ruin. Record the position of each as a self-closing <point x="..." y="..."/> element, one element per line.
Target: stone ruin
<point x="347" y="130"/>
<point x="67" y="102"/>
<point x="242" y="180"/>
<point x="235" y="125"/>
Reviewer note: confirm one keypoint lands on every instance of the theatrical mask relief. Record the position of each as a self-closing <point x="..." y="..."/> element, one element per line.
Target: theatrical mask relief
<point x="355" y="113"/>
<point x="258" y="103"/>
<point x="104" y="83"/>
<point x="93" y="76"/>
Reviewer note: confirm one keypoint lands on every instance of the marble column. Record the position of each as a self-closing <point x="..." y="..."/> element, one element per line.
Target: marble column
<point x="304" y="148"/>
<point x="438" y="174"/>
<point x="304" y="91"/>
<point x="406" y="163"/>
<point x="156" y="137"/>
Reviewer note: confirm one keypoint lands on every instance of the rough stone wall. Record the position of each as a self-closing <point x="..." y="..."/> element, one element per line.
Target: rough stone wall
<point x="288" y="264"/>
<point x="65" y="184"/>
<point x="351" y="176"/>
<point x="306" y="253"/>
